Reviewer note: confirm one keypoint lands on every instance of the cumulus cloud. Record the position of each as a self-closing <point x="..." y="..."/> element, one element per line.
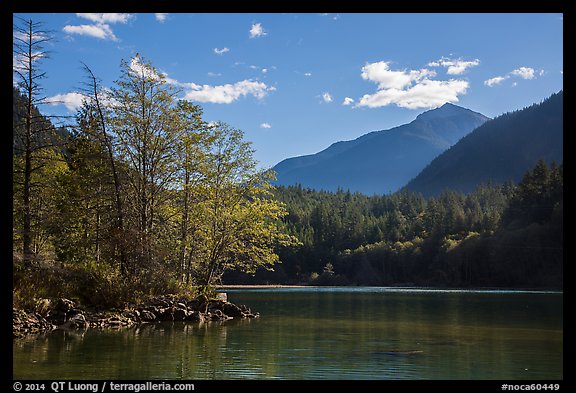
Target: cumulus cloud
<point x="221" y="51"/>
<point x="326" y="97"/>
<point x="386" y="78"/>
<point x="265" y="125"/>
<point x="348" y="101"/>
<point x="495" y="81"/>
<point x="425" y="94"/>
<point x="524" y="72"/>
<point x="454" y="66"/>
<point x="257" y="30"/>
<point x="411" y="89"/>
<point x="72" y="101"/>
<point x="161" y="17"/>
<point x="101" y="29"/>
<point x="228" y="93"/>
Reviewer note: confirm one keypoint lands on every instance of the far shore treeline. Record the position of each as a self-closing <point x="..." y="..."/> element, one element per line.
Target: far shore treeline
<point x="138" y="195"/>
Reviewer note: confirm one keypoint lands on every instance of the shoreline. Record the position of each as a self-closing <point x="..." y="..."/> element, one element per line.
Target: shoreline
<point x="65" y="314"/>
<point x="390" y="287"/>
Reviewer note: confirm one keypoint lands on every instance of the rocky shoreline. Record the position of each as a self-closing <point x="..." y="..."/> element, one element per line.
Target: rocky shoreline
<point x="61" y="313"/>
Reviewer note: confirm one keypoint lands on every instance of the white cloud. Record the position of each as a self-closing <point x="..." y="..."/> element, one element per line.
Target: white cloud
<point x="455" y="66"/>
<point x="524" y="72"/>
<point x="72" y="101"/>
<point x="20" y="61"/>
<point x="425" y="94"/>
<point x="348" y="101"/>
<point x="146" y="71"/>
<point x="326" y="97"/>
<point x="161" y="17"/>
<point x="265" y="125"/>
<point x="221" y="51"/>
<point x="228" y="93"/>
<point x="106" y="17"/>
<point x="220" y="94"/>
<point x="412" y="89"/>
<point x="264" y="70"/>
<point x="101" y="31"/>
<point x="381" y="73"/>
<point x="210" y="73"/>
<point x="495" y="81"/>
<point x="307" y="74"/>
<point x="257" y="30"/>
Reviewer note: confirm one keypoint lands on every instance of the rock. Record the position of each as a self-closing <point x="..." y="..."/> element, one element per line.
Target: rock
<point x="216" y="315"/>
<point x="232" y="310"/>
<point x="180" y="314"/>
<point x="195" y="316"/>
<point x="64" y="305"/>
<point x="216" y="305"/>
<point x="62" y="313"/>
<point x="159" y="302"/>
<point x="61" y="310"/>
<point x="24" y="323"/>
<point x="131" y="314"/>
<point x="165" y="315"/>
<point x="147" y="316"/>
<point x="78" y="321"/>
<point x="194" y="305"/>
<point x="222" y="296"/>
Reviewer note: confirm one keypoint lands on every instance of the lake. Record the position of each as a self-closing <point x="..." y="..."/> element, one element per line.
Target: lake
<point x="324" y="333"/>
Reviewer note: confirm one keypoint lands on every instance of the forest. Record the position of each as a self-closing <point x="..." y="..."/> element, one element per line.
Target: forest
<point x="138" y="195"/>
<point x="507" y="235"/>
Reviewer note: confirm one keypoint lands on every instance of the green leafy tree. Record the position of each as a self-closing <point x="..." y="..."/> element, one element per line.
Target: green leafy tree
<point x="143" y="120"/>
<point x="239" y="227"/>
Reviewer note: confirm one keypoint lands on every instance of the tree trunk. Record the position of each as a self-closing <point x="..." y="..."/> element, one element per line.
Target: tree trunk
<point x="27" y="232"/>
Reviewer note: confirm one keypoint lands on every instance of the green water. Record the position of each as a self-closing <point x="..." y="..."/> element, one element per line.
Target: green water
<point x="324" y="333"/>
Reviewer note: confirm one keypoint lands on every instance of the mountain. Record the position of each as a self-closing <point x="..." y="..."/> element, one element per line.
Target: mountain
<point x="381" y="161"/>
<point x="501" y="149"/>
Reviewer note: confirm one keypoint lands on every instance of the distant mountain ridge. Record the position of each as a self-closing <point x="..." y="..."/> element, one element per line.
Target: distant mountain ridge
<point x="501" y="149"/>
<point x="381" y="162"/>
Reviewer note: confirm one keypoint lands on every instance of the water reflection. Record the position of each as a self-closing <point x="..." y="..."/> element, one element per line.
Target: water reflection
<point x="309" y="335"/>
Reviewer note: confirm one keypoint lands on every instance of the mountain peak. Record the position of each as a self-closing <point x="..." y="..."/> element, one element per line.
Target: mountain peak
<point x="381" y="161"/>
<point x="446" y="110"/>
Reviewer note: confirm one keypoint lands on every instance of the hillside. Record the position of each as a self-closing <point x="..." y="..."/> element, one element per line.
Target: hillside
<point x="500" y="150"/>
<point x="381" y="162"/>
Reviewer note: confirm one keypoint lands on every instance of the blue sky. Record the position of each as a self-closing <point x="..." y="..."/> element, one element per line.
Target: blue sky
<point x="296" y="83"/>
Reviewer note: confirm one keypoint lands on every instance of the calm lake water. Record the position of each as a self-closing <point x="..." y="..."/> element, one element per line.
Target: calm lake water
<point x="324" y="333"/>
